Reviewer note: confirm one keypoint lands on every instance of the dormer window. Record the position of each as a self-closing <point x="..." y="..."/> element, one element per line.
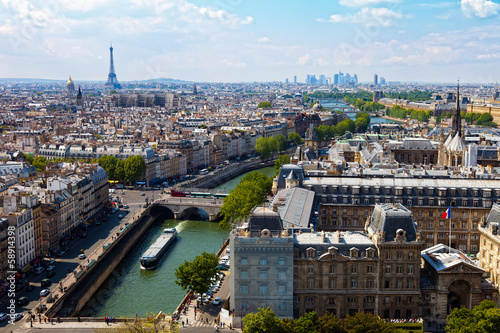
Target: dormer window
<point x="370" y="252"/>
<point x="353" y="252"/>
<point x="311" y="252"/>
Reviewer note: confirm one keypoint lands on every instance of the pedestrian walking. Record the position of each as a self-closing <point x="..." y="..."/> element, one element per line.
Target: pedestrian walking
<point x="187" y="321"/>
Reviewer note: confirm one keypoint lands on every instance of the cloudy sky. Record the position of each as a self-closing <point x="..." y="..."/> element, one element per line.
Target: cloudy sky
<point x="251" y="40"/>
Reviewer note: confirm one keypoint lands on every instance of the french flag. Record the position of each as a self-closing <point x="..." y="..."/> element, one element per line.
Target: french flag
<point x="447" y="214"/>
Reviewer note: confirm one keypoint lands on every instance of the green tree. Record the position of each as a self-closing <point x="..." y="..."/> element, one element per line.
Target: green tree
<point x="39" y="163"/>
<point x="329" y="323"/>
<point x="108" y="163"/>
<point x="266" y="146"/>
<point x="196" y="274"/>
<point x="282" y="143"/>
<point x="134" y="167"/>
<point x="282" y="159"/>
<point x="308" y="323"/>
<point x="264" y="321"/>
<point x="485" y="117"/>
<point x="251" y="191"/>
<point x="484" y="318"/>
<point x="120" y="170"/>
<point x="295" y="138"/>
<point x="367" y="323"/>
<point x="264" y="105"/>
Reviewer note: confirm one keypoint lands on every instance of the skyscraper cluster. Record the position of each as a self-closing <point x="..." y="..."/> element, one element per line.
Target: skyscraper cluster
<point x="342" y="79"/>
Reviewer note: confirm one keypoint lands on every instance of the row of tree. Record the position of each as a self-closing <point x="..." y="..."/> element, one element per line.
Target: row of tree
<point x="324" y="132"/>
<point x="400" y="112"/>
<point x="484" y="318"/>
<point x="362" y="105"/>
<point x="127" y="170"/>
<point x="481" y="119"/>
<point x="250" y="192"/>
<point x="336" y="94"/>
<point x="40" y="162"/>
<point x="413" y="95"/>
<point x="267" y="146"/>
<point x="266" y="321"/>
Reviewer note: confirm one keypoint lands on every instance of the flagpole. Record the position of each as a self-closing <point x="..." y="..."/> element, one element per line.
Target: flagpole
<point x="449" y="236"/>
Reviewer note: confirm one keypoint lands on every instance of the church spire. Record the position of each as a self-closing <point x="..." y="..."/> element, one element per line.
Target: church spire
<point x="456" y="126"/>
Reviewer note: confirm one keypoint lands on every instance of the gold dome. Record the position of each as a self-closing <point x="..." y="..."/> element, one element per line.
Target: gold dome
<point x="69" y="81"/>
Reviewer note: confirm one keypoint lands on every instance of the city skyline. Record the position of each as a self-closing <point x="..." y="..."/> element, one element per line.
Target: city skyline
<point x="236" y="41"/>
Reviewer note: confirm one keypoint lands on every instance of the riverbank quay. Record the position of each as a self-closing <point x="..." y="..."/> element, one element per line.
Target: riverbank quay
<point x="77" y="288"/>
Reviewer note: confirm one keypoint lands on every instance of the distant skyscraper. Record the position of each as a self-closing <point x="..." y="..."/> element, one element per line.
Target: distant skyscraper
<point x="336" y="79"/>
<point x="322" y="79"/>
<point x="375" y="79"/>
<point x="286" y="81"/>
<point x="347" y="78"/>
<point x="355" y="79"/>
<point x="295" y="79"/>
<point x="341" y="78"/>
<point x="382" y="81"/>
<point x="112" y="80"/>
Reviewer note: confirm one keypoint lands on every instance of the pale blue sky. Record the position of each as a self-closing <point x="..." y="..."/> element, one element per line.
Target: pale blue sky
<point x="251" y="40"/>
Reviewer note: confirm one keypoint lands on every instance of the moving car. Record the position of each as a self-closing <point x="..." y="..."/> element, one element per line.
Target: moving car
<point x="143" y="194"/>
<point x="44" y="292"/>
<point x="46" y="283"/>
<point x="61" y="253"/>
<point x="30" y="288"/>
<point x="39" y="270"/>
<point x="217" y="300"/>
<point x="3" y="316"/>
<point x="51" y="267"/>
<point x="125" y="206"/>
<point x="82" y="256"/>
<point x="120" y="216"/>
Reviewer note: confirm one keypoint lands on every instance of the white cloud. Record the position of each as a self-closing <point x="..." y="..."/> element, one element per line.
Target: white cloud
<point x="369" y="16"/>
<point x="239" y="64"/>
<point x="362" y="3"/>
<point x="263" y="40"/>
<point x="490" y="56"/>
<point x="303" y="60"/>
<point x="247" y="20"/>
<point x="479" y="8"/>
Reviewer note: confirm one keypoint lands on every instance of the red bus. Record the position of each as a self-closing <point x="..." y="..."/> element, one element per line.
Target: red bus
<point x="179" y="193"/>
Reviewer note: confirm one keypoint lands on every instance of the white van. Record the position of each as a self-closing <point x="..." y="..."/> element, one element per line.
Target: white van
<point x="112" y="190"/>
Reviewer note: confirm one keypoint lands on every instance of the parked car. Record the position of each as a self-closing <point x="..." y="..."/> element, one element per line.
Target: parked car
<point x="125" y="206"/>
<point x="39" y="270"/>
<point x="51" y="267"/>
<point x="30" y="288"/>
<point x="217" y="300"/>
<point x="83" y="235"/>
<point x="46" y="283"/>
<point x="18" y="316"/>
<point x="44" y="292"/>
<point x="22" y="301"/>
<point x="51" y="273"/>
<point x="61" y="253"/>
<point x="3" y="316"/>
<point x="51" y="262"/>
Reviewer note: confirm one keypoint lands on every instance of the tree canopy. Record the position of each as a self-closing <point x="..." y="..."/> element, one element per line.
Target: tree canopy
<point x="484" y="318"/>
<point x="266" y="321"/>
<point x="282" y="159"/>
<point x="123" y="170"/>
<point x="264" y="105"/>
<point x="196" y="274"/>
<point x="251" y="191"/>
<point x="295" y="138"/>
<point x="282" y="142"/>
<point x="266" y="146"/>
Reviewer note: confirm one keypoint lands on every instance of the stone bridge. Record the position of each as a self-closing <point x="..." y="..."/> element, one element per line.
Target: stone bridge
<point x="183" y="207"/>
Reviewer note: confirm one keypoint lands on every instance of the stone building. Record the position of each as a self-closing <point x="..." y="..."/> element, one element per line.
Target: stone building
<point x="346" y="272"/>
<point x="449" y="280"/>
<point x="262" y="265"/>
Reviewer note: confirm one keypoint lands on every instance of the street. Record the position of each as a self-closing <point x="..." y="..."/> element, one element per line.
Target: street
<point x="70" y="261"/>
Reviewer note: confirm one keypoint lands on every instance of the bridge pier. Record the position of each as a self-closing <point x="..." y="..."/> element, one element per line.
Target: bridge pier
<point x="212" y="217"/>
<point x="177" y="215"/>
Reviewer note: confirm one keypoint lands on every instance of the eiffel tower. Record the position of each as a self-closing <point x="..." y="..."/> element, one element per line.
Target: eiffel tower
<point x="112" y="80"/>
